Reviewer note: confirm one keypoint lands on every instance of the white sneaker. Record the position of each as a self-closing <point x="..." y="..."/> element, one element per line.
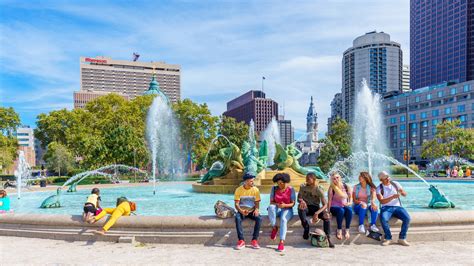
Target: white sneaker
<point x="374" y="228"/>
<point x="361" y="229"/>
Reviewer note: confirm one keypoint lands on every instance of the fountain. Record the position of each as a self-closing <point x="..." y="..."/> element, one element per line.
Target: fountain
<point x="447" y="161"/>
<point x="22" y="173"/>
<point x="369" y="146"/>
<point x="271" y="135"/>
<point x="162" y="129"/>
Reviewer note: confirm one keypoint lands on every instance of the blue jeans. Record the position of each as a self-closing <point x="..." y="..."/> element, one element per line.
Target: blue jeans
<point x="386" y="212"/>
<point x="285" y="215"/>
<point x="362" y="212"/>
<point x="341" y="213"/>
<point x="238" y="224"/>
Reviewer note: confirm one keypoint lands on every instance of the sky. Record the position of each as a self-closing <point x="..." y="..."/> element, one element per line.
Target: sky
<point x="224" y="47"/>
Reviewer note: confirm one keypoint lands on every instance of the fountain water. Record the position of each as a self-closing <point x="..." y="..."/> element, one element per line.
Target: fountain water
<point x="22" y="173"/>
<point x="162" y="131"/>
<point x="447" y="161"/>
<point x="272" y="135"/>
<point x="251" y="131"/>
<point x="369" y="129"/>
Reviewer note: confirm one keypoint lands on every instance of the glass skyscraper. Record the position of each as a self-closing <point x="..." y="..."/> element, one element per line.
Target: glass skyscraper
<point x="441" y="41"/>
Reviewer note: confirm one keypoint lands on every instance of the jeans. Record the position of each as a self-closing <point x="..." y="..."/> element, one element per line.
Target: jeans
<point x="310" y="211"/>
<point x="398" y="212"/>
<point x="341" y="213"/>
<point x="285" y="215"/>
<point x="238" y="224"/>
<point x="362" y="212"/>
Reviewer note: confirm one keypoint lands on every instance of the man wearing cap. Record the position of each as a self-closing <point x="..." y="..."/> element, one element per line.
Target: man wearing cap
<point x="247" y="203"/>
<point x="388" y="193"/>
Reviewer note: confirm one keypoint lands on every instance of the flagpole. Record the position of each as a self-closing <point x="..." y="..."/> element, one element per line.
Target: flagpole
<point x="263" y="78"/>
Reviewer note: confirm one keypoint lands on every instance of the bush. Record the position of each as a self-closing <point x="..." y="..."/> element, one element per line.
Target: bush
<point x="400" y="170"/>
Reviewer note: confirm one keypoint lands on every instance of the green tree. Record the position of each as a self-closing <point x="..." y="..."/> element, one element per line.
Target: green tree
<point x="198" y="128"/>
<point x="450" y="139"/>
<point x="9" y="121"/>
<point x="58" y="158"/>
<point x="236" y="132"/>
<point x="337" y="144"/>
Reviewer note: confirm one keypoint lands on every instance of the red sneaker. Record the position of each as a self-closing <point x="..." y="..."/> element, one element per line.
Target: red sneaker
<point x="273" y="235"/>
<point x="240" y="244"/>
<point x="281" y="247"/>
<point x="255" y="244"/>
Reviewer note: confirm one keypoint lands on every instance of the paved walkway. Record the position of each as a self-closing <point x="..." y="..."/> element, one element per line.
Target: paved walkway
<point x="15" y="250"/>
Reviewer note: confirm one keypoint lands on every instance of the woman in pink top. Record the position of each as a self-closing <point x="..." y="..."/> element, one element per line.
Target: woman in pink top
<point x="364" y="199"/>
<point x="282" y="200"/>
<point x="340" y="201"/>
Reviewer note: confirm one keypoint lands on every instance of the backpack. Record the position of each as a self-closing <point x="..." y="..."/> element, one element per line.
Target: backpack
<point x="319" y="239"/>
<point x="120" y="200"/>
<point x="223" y="210"/>
<point x="394" y="185"/>
<point x="133" y="206"/>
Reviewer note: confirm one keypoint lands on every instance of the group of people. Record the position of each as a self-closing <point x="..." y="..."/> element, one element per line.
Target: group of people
<point x="342" y="201"/>
<point x="93" y="212"/>
<point x="458" y="172"/>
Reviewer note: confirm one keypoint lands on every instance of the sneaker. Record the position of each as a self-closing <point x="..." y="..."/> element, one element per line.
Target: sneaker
<point x="306" y="233"/>
<point x="374" y="228"/>
<point x="273" y="235"/>
<point x="240" y="245"/>
<point x="281" y="247"/>
<point x="403" y="242"/>
<point x="255" y="244"/>
<point x="386" y="242"/>
<point x="362" y="229"/>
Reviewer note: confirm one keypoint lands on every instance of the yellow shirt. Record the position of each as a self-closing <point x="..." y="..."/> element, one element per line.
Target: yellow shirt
<point x="247" y="197"/>
<point x="92" y="199"/>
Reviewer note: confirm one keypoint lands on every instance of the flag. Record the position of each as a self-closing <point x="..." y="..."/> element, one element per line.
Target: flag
<point x="263" y="77"/>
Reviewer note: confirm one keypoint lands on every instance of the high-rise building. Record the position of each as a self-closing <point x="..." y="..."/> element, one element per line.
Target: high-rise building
<point x="26" y="143"/>
<point x="253" y="106"/>
<point x="310" y="147"/>
<point x="287" y="134"/>
<point x="336" y="109"/>
<point x="411" y="118"/>
<point x="406" y="79"/>
<point x="127" y="78"/>
<point x="81" y="98"/>
<point x="375" y="58"/>
<point x="441" y="42"/>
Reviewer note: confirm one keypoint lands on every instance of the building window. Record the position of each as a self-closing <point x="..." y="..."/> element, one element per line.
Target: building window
<point x="433" y="130"/>
<point x="402" y="118"/>
<point x="402" y="127"/>
<point x="424" y="124"/>
<point x="428" y="97"/>
<point x="412" y="117"/>
<point x="466" y="88"/>
<point x="417" y="99"/>
<point x="447" y="110"/>
<point x="402" y="135"/>
<point x="435" y="113"/>
<point x="440" y="94"/>
<point x="423" y="115"/>
<point x="463" y="118"/>
<point x="393" y="120"/>
<point x="453" y="91"/>
<point x="461" y="108"/>
<point x="434" y="122"/>
<point x="413" y="126"/>
<point x="397" y="104"/>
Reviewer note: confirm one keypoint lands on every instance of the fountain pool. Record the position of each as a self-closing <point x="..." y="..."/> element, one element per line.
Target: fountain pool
<point x="178" y="199"/>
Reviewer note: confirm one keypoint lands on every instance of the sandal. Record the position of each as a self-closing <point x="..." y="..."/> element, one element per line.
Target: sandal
<point x="339" y="234"/>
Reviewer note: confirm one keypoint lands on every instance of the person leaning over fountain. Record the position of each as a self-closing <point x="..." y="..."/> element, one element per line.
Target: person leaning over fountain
<point x="388" y="193"/>
<point x="247" y="203"/>
<point x="312" y="203"/>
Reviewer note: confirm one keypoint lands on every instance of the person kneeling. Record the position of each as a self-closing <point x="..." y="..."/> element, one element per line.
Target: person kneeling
<point x="247" y="203"/>
<point x="282" y="200"/>
<point x="312" y="203"/>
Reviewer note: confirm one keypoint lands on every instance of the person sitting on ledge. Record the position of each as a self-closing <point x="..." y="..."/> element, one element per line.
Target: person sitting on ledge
<point x="468" y="172"/>
<point x="364" y="199"/>
<point x="312" y="203"/>
<point x="388" y="193"/>
<point x="122" y="209"/>
<point x="247" y="203"/>
<point x="4" y="202"/>
<point x="282" y="200"/>
<point x="340" y="202"/>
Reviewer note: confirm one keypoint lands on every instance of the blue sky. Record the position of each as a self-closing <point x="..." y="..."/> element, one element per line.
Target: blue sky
<point x="223" y="47"/>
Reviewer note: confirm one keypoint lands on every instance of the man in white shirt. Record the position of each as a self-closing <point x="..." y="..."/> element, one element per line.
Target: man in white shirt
<point x="388" y="193"/>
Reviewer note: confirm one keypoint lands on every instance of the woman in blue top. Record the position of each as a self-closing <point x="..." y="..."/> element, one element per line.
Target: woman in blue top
<point x="4" y="201"/>
<point x="364" y="199"/>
